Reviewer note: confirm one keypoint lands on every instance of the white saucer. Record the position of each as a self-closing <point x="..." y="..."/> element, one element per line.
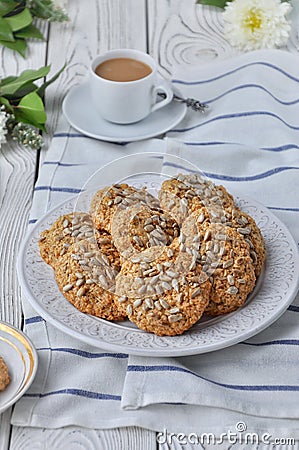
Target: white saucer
<point x="77" y="108"/>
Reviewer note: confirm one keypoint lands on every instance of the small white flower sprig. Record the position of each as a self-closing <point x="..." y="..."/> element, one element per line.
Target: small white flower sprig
<point x="254" y="24"/>
<point x="17" y="21"/>
<point x="22" y="111"/>
<point x="3" y="129"/>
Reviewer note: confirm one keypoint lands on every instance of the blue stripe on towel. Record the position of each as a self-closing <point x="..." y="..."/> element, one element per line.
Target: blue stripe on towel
<point x="58" y="163"/>
<point x="236" y="116"/>
<point x="230" y="72"/>
<point x="275" y="342"/>
<point x="280" y="208"/>
<point x="78" y="392"/>
<point x="85" y="354"/>
<point x="33" y="319"/>
<point x="280" y="148"/>
<point x="293" y="308"/>
<point x="166" y="368"/>
<point x="258" y="176"/>
<point x="216" y="176"/>
<point x="255" y="86"/>
<point x="58" y="189"/>
<point x="210" y="143"/>
<point x="69" y="135"/>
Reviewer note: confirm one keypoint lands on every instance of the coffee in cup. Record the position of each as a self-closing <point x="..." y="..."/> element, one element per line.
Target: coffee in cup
<point x="123" y="69"/>
<point x="124" y="86"/>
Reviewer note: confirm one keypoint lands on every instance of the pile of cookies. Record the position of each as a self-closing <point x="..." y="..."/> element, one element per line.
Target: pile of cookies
<point x="160" y="262"/>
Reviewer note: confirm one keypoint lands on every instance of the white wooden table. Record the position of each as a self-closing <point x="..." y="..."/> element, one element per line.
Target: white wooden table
<point x="172" y="31"/>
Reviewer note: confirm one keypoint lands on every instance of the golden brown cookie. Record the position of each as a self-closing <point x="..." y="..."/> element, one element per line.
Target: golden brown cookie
<point x="183" y="194"/>
<point x="67" y="229"/>
<point x="225" y="258"/>
<point x="4" y="375"/>
<point x="107" y="201"/>
<point x="233" y="218"/>
<point x="161" y="294"/>
<point x="140" y="227"/>
<point x="86" y="277"/>
<point x="247" y="227"/>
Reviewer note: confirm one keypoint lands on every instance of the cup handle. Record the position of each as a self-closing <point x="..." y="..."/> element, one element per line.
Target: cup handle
<point x="164" y="87"/>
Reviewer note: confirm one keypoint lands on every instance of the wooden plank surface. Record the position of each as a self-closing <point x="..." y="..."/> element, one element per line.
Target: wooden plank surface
<point x="185" y="32"/>
<point x="73" y="438"/>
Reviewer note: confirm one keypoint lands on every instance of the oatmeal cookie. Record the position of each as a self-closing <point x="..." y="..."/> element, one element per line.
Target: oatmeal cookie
<point x="225" y="258"/>
<point x="86" y="277"/>
<point x="184" y="194"/>
<point x="4" y="375"/>
<point x="234" y="218"/>
<point x="161" y="294"/>
<point x="140" y="227"/>
<point x="107" y="201"/>
<point x="247" y="227"/>
<point x="67" y="229"/>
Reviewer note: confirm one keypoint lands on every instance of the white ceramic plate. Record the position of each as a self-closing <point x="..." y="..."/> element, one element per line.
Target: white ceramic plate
<point x="21" y="359"/>
<point x="77" y="108"/>
<point x="275" y="290"/>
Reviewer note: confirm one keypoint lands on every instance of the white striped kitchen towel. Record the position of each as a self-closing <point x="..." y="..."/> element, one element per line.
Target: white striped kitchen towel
<point x="248" y="141"/>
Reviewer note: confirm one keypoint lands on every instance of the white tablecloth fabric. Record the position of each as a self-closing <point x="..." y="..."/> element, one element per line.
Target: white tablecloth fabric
<point x="249" y="142"/>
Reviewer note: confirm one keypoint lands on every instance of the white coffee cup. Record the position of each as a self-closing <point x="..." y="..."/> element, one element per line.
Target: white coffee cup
<point x="127" y="102"/>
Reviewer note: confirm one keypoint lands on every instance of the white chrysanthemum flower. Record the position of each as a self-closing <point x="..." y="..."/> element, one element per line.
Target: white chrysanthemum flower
<point x="3" y="129"/>
<point x="255" y="24"/>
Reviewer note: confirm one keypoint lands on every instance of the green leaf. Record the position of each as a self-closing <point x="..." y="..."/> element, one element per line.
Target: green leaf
<point x="24" y="90"/>
<point x="19" y="45"/>
<point x="24" y="78"/>
<point x="31" y="110"/>
<point x="21" y="118"/>
<point x="218" y="3"/>
<point x="20" y="21"/>
<point x="42" y="88"/>
<point x="6" y="33"/>
<point x="29" y="32"/>
<point x="7" y="6"/>
<point x="7" y="80"/>
<point x="5" y="102"/>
